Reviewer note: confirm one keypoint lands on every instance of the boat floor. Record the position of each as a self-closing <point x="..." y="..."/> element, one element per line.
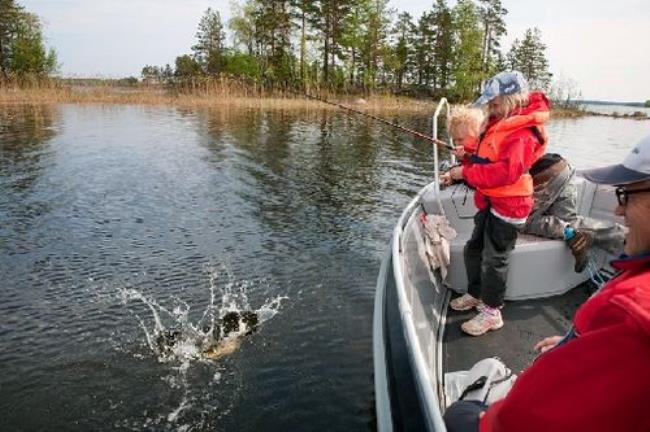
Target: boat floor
<point x="526" y="323"/>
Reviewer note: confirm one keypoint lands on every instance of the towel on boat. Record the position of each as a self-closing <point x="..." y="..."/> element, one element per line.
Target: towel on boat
<point x="438" y="233"/>
<point x="488" y="381"/>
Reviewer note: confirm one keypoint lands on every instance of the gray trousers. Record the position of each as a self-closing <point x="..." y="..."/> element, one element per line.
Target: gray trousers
<point x="555" y="209"/>
<point x="487" y="255"/>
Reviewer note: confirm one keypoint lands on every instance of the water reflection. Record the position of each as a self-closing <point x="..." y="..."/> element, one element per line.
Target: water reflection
<point x="97" y="200"/>
<point x="25" y="134"/>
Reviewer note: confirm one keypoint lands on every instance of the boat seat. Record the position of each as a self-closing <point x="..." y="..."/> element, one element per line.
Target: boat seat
<point x="539" y="267"/>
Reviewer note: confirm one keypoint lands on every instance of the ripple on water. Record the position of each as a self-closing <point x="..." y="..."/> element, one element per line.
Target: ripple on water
<point x="95" y="200"/>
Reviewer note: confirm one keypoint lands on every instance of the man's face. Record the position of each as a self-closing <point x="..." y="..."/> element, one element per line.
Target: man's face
<point x="636" y="213"/>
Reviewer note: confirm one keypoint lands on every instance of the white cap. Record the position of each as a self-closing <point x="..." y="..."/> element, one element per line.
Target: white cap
<point x="635" y="167"/>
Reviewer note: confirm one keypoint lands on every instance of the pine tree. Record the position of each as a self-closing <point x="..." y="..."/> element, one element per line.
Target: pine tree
<point x="424" y="51"/>
<point x="403" y="50"/>
<point x="444" y="45"/>
<point x="210" y="37"/>
<point x="467" y="53"/>
<point x="242" y="25"/>
<point x="529" y="57"/>
<point x="494" y="27"/>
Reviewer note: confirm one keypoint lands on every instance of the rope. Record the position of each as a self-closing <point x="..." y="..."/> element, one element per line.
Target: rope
<point x="594" y="272"/>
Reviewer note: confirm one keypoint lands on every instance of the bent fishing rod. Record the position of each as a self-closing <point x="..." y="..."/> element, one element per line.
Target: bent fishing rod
<point x="381" y="120"/>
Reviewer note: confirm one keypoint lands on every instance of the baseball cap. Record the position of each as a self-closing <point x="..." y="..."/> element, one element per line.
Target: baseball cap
<point x="635" y="167"/>
<point x="503" y="83"/>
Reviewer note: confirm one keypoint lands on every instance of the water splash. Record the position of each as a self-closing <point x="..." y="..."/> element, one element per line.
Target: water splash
<point x="193" y="336"/>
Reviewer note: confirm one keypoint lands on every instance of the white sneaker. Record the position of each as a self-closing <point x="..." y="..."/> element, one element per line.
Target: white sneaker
<point x="465" y="302"/>
<point x="483" y="322"/>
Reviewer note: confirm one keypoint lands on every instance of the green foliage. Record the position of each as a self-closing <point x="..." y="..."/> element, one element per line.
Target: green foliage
<point x="210" y="36"/>
<point x="529" y="57"/>
<point x="403" y="51"/>
<point x="467" y="71"/>
<point x="647" y="103"/>
<point x="492" y="15"/>
<point x="360" y="45"/>
<point x="187" y="67"/>
<point x="241" y="64"/>
<point x="151" y="74"/>
<point x="242" y="25"/>
<point x="22" y="47"/>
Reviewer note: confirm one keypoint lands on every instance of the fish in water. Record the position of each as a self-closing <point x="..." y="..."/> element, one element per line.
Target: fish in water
<point x="225" y="335"/>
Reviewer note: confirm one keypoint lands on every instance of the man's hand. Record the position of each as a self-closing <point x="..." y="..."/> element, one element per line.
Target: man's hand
<point x="547" y="343"/>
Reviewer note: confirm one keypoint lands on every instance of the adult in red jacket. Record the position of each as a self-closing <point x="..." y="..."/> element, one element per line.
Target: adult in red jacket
<point x="597" y="377"/>
<point x="513" y="139"/>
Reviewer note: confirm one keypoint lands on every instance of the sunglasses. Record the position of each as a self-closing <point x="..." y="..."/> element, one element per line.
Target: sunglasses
<point x="622" y="194"/>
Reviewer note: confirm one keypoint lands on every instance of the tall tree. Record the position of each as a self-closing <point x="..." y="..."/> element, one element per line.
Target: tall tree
<point x="492" y="15"/>
<point x="29" y="54"/>
<point x="10" y="12"/>
<point x="443" y="49"/>
<point x="467" y="54"/>
<point x="424" y="51"/>
<point x="242" y="25"/>
<point x="378" y="19"/>
<point x="529" y="57"/>
<point x="302" y="9"/>
<point x="210" y="36"/>
<point x="328" y="18"/>
<point x="22" y="47"/>
<point x="403" y="50"/>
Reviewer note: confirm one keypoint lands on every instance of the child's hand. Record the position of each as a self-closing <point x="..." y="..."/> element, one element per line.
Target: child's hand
<point x="456" y="173"/>
<point x="445" y="179"/>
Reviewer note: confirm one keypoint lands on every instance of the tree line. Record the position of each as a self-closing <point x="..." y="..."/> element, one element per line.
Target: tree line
<point x="22" y="47"/>
<point x="359" y="46"/>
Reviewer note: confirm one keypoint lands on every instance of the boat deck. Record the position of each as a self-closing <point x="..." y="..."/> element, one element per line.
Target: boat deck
<point x="526" y="322"/>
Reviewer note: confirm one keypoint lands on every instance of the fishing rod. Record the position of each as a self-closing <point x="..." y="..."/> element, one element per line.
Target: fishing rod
<point x="381" y="120"/>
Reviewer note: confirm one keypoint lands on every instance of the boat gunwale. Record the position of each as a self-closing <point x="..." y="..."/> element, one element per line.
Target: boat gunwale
<point x="383" y="411"/>
<point x="427" y="394"/>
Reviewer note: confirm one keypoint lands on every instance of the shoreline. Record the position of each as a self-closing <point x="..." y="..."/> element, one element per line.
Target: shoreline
<point x="157" y="96"/>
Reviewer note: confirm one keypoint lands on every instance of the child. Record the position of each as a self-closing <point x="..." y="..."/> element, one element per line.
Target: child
<point x="512" y="141"/>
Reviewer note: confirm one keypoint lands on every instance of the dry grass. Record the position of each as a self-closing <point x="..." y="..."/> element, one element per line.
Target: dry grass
<point x="216" y="93"/>
<point x="198" y="97"/>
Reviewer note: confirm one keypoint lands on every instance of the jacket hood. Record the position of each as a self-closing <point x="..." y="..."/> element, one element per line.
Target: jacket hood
<point x="536" y="113"/>
<point x="537" y="101"/>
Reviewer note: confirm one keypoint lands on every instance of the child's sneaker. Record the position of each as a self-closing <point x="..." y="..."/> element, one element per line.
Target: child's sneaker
<point x="465" y="302"/>
<point x="487" y="319"/>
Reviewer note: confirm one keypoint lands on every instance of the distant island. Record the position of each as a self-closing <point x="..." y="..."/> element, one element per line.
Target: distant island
<point x="630" y="104"/>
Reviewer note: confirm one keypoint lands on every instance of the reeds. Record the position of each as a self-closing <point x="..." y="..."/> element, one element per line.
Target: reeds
<point x="207" y="93"/>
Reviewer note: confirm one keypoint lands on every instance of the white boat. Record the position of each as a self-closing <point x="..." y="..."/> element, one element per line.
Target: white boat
<point x="416" y="340"/>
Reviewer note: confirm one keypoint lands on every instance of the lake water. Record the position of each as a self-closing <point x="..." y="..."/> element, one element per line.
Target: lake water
<point x="112" y="218"/>
<point x="620" y="109"/>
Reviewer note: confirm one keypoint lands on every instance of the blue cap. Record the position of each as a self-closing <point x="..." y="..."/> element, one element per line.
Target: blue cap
<point x="504" y="83"/>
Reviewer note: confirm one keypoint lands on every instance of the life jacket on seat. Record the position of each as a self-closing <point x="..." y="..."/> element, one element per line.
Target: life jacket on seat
<point x="491" y="146"/>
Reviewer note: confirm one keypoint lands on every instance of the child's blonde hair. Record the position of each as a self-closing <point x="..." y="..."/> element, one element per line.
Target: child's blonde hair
<point x="509" y="104"/>
<point x="466" y="121"/>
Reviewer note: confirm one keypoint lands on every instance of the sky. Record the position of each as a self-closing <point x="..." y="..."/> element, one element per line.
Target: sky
<point x="603" y="46"/>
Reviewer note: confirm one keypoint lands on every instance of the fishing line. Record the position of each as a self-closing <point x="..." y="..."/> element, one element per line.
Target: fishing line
<point x="415" y="133"/>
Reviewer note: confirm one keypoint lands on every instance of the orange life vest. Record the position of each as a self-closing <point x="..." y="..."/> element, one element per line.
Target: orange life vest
<point x="490" y="148"/>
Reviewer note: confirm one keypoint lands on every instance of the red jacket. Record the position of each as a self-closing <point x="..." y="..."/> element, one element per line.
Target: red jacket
<point x="599" y="381"/>
<point x="516" y="159"/>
